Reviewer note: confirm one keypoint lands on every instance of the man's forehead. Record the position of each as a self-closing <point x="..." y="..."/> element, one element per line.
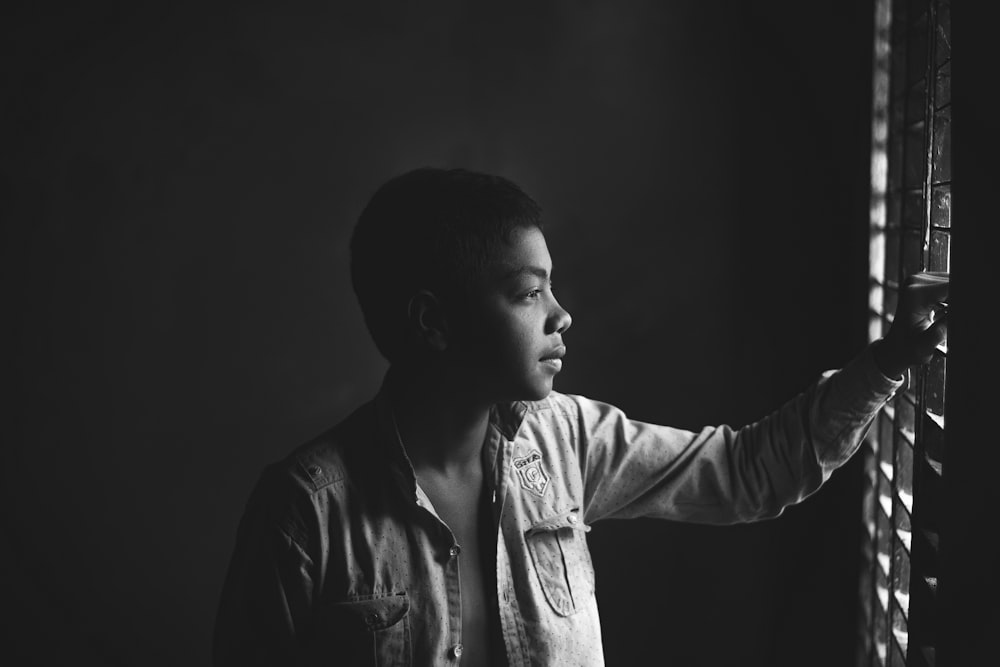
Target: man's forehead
<point x="526" y="254"/>
<point x="508" y="271"/>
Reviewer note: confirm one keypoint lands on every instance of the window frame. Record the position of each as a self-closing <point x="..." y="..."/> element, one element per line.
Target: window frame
<point x="910" y="231"/>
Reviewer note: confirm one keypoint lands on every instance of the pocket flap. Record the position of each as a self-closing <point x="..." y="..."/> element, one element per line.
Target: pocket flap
<point x="570" y="519"/>
<point x="375" y="613"/>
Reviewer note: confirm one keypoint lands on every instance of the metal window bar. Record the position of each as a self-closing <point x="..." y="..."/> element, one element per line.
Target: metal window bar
<point x="910" y="231"/>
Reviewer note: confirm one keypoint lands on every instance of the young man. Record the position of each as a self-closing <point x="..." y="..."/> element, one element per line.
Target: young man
<point x="444" y="522"/>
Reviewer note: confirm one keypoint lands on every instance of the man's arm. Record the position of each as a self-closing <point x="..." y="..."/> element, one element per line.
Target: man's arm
<point x="721" y="475"/>
<point x="267" y="596"/>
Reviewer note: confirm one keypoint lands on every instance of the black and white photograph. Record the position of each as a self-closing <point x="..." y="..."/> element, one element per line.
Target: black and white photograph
<point x="562" y="333"/>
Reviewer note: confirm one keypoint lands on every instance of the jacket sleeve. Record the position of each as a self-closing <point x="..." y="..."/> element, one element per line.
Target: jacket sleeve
<point x="266" y="601"/>
<point x="720" y="475"/>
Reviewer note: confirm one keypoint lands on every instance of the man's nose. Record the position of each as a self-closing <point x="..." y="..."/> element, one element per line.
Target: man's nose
<point x="560" y="320"/>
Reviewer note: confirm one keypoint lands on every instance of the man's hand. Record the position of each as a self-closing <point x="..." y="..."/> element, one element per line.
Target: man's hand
<point x="920" y="324"/>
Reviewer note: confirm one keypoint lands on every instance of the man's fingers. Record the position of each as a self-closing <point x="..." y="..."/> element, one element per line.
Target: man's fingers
<point x="935" y="334"/>
<point x="923" y="314"/>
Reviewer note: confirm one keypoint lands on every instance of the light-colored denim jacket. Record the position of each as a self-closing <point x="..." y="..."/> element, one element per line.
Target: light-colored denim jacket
<point x="341" y="559"/>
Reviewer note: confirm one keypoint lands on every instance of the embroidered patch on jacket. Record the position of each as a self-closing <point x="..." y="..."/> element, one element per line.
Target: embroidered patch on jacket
<point x="529" y="469"/>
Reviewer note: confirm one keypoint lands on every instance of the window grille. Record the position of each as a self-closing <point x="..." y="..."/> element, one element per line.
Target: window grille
<point x="910" y="225"/>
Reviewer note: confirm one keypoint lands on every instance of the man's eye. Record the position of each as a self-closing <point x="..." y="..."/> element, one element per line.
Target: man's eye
<point x="536" y="292"/>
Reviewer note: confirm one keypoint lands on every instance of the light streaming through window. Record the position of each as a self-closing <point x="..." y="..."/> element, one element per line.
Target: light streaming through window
<point x="910" y="221"/>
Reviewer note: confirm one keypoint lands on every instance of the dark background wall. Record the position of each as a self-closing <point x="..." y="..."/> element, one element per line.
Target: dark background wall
<point x="178" y="189"/>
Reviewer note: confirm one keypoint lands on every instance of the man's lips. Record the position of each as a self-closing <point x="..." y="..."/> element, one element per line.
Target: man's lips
<point x="555" y="355"/>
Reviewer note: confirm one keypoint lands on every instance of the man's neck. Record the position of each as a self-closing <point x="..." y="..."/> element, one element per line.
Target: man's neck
<point x="441" y="426"/>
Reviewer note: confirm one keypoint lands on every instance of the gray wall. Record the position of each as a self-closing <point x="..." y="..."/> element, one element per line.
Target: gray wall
<point x="178" y="190"/>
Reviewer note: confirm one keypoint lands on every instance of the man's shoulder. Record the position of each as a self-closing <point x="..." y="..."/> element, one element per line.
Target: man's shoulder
<point x="325" y="460"/>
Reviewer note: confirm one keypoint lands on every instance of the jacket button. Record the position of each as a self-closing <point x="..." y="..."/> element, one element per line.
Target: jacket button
<point x="456" y="651"/>
<point x="572" y="518"/>
<point x="454" y="551"/>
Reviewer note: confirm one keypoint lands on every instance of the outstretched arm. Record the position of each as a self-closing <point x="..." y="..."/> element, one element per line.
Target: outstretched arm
<point x="722" y="475"/>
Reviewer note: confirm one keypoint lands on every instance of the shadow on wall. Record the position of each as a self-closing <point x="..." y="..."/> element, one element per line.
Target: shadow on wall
<point x="183" y="186"/>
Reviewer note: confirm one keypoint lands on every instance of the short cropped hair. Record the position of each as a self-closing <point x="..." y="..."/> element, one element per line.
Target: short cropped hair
<point x="433" y="229"/>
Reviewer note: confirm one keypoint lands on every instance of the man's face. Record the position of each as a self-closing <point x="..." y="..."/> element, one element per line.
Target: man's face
<point x="510" y="337"/>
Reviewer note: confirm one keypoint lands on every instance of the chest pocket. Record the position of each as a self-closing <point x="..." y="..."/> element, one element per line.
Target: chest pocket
<point x="558" y="547"/>
<point x="368" y="631"/>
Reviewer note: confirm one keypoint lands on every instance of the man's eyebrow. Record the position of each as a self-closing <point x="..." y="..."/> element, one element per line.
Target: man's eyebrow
<point x="530" y="270"/>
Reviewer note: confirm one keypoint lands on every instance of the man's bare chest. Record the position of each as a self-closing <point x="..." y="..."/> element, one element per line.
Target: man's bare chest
<point x="459" y="506"/>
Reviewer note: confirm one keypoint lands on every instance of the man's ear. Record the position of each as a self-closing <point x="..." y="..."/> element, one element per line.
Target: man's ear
<point x="428" y="323"/>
